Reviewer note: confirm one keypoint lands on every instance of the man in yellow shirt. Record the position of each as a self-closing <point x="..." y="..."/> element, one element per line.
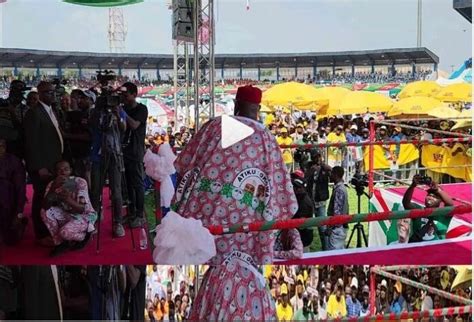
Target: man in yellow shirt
<point x="284" y="139"/>
<point x="336" y="307"/>
<point x="335" y="154"/>
<point x="284" y="310"/>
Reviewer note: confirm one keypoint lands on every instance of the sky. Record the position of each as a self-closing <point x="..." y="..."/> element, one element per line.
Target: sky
<point x="270" y="26"/>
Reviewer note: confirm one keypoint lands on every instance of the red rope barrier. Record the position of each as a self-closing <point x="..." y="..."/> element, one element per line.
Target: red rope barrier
<point x="338" y="220"/>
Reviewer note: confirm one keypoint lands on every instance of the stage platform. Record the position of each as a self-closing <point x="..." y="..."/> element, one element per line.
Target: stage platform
<point x="113" y="251"/>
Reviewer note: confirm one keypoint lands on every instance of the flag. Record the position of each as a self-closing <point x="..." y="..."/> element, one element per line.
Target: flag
<point x="386" y="232"/>
<point x="383" y="156"/>
<point x="248" y="4"/>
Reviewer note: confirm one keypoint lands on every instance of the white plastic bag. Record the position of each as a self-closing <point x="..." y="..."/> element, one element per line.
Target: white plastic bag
<point x="182" y="241"/>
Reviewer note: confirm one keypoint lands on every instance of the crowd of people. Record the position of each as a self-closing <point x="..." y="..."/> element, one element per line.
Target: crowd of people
<point x="70" y="145"/>
<point x="376" y="77"/>
<point x="167" y="293"/>
<point x="72" y="293"/>
<point x="311" y="293"/>
<point x="308" y="128"/>
<point x="170" y="293"/>
<point x="59" y="140"/>
<point x="320" y="78"/>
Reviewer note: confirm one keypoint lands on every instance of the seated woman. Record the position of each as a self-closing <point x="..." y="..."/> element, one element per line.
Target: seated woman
<point x="67" y="211"/>
<point x="12" y="197"/>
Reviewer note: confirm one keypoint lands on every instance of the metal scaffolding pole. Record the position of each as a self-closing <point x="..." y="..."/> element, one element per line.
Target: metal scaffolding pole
<point x="419" y="21"/>
<point x="204" y="70"/>
<point x="181" y="82"/>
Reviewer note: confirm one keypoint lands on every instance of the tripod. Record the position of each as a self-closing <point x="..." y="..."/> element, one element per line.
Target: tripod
<point x="104" y="171"/>
<point x="358" y="226"/>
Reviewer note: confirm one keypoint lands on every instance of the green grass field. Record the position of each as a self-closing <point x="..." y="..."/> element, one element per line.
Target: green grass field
<point x="315" y="246"/>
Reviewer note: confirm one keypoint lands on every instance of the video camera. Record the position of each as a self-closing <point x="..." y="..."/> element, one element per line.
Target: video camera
<point x="425" y="180"/>
<point x="360" y="182"/>
<point x="16" y="95"/>
<point x="108" y="98"/>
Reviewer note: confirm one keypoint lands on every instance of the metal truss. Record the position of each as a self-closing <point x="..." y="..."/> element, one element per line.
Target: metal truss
<point x="117" y="30"/>
<point x="204" y="40"/>
<point x="181" y="82"/>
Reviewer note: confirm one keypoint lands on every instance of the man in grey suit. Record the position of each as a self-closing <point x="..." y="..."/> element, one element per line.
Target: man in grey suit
<point x="44" y="147"/>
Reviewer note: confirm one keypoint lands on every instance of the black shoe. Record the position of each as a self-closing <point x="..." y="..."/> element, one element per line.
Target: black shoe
<point x="137" y="222"/>
<point x="59" y="249"/>
<point x="80" y="245"/>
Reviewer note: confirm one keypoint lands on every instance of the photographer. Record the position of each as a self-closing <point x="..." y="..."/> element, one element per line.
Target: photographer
<point x="317" y="178"/>
<point x="106" y="125"/>
<point x="425" y="229"/>
<point x="136" y="115"/>
<point x="78" y="135"/>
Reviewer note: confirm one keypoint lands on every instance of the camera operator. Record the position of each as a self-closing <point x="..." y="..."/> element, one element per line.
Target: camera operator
<point x="136" y="115"/>
<point x="106" y="125"/>
<point x="12" y="115"/>
<point x="317" y="177"/>
<point x="78" y="135"/>
<point x="426" y="228"/>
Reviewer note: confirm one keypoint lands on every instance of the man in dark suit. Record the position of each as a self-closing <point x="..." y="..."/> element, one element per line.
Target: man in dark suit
<point x="43" y="149"/>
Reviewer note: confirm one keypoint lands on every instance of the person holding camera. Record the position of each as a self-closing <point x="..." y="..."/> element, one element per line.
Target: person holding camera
<point x="428" y="228"/>
<point x="136" y="115"/>
<point x="106" y="125"/>
<point x="78" y="135"/>
<point x="44" y="146"/>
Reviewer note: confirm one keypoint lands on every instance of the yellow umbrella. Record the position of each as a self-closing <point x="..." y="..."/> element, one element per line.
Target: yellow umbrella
<point x="292" y="94"/>
<point x="330" y="97"/>
<point x="266" y="109"/>
<point x="456" y="93"/>
<point x="420" y="88"/>
<point x="444" y="112"/>
<point x="359" y="102"/>
<point x="464" y="123"/>
<point x="463" y="278"/>
<point x="414" y="107"/>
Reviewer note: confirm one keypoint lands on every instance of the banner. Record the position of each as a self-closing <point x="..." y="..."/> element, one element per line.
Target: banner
<point x="433" y="156"/>
<point x="384" y="155"/>
<point x="391" y="232"/>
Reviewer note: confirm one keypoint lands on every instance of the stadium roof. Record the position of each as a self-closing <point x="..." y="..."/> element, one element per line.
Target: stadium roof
<point x="464" y="7"/>
<point x="28" y="58"/>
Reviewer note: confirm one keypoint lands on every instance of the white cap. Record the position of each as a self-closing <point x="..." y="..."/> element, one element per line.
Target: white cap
<point x="383" y="127"/>
<point x="355" y="282"/>
<point x="354" y="127"/>
<point x="384" y="284"/>
<point x="91" y="95"/>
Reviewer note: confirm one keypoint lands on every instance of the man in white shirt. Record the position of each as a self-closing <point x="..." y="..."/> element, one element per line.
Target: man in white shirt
<point x="44" y="147"/>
